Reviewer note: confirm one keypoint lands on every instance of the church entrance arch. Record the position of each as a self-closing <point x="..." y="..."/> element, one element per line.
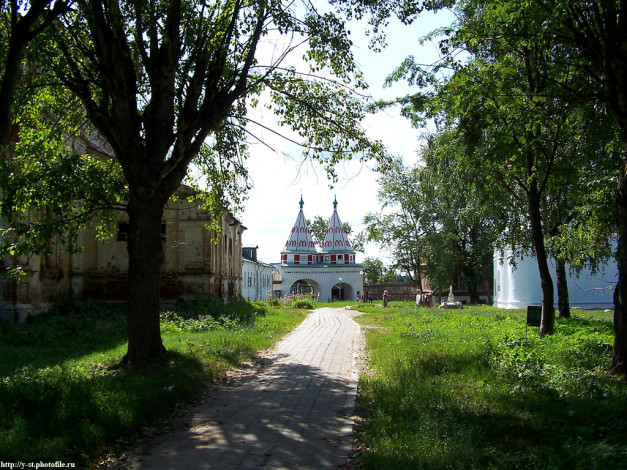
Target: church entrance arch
<point x="305" y="286"/>
<point x="343" y="291"/>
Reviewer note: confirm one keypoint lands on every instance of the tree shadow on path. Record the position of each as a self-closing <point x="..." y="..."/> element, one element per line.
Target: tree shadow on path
<point x="288" y="415"/>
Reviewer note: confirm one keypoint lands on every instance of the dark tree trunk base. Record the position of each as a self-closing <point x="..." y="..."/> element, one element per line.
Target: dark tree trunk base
<point x="126" y="363"/>
<point x="563" y="300"/>
<point x="146" y="259"/>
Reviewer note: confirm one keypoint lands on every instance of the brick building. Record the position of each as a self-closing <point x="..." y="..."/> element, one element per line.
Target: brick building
<point x="197" y="262"/>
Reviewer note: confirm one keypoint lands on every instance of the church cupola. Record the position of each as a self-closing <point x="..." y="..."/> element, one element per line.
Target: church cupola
<point x="300" y="248"/>
<point x="336" y="248"/>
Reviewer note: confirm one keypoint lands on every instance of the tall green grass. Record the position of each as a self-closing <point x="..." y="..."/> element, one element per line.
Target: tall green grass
<point x="469" y="389"/>
<point x="59" y="402"/>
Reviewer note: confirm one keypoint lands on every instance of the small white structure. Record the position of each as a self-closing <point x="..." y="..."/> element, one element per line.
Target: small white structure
<point x="329" y="274"/>
<point x="256" y="276"/>
<point x="519" y="287"/>
<point x="450" y="302"/>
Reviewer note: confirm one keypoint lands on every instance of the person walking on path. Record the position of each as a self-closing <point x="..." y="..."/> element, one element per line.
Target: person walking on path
<point x="296" y="413"/>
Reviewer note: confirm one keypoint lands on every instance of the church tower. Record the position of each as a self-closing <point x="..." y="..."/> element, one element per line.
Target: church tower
<point x="300" y="248"/>
<point x="328" y="275"/>
<point x="336" y="248"/>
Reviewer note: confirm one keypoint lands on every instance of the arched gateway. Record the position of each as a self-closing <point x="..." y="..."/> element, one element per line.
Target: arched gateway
<point x="329" y="274"/>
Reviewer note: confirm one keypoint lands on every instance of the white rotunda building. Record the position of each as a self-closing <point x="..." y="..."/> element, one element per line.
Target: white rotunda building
<point x="329" y="274"/>
<point x="519" y="286"/>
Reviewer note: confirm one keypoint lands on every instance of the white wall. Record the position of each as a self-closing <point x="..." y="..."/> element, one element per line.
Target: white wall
<point x="519" y="287"/>
<point x="256" y="280"/>
<point x="323" y="278"/>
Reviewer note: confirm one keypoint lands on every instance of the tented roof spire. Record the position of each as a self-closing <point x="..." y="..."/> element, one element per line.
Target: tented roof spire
<point x="336" y="239"/>
<point x="300" y="240"/>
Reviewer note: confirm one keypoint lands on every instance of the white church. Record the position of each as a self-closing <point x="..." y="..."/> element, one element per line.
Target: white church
<point x="519" y="287"/>
<point x="329" y="274"/>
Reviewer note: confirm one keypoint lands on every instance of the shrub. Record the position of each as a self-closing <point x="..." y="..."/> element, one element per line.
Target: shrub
<point x="304" y="301"/>
<point x="208" y="314"/>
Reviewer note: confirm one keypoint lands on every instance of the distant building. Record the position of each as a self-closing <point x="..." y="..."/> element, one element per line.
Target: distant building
<point x="329" y="274"/>
<point x="519" y="287"/>
<point x="256" y="276"/>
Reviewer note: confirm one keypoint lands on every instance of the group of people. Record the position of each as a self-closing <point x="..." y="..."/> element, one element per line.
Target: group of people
<point x="424" y="299"/>
<point x="365" y="297"/>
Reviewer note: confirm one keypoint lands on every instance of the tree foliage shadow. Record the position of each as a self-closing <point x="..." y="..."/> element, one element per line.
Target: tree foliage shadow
<point x="289" y="415"/>
<point x="66" y="331"/>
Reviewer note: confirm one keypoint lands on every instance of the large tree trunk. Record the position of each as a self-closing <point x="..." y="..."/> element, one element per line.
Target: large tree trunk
<point x="618" y="109"/>
<point x="471" y="282"/>
<point x="7" y="90"/>
<point x="619" y="355"/>
<point x="563" y="301"/>
<point x="146" y="258"/>
<point x="547" y="321"/>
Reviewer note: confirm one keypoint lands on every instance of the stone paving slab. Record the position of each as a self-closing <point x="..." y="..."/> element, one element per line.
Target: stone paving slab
<point x="297" y="413"/>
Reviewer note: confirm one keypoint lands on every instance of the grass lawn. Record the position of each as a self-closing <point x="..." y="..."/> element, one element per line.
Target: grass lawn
<point x="468" y="389"/>
<point x="58" y="402"/>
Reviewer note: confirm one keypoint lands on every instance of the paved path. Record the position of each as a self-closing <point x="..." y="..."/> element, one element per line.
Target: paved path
<point x="296" y="413"/>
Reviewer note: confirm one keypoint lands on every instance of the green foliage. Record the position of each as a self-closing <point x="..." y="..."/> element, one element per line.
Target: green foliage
<point x="205" y="315"/>
<point x="402" y="229"/>
<point x="325" y="117"/>
<point x="218" y="175"/>
<point x="304" y="301"/>
<point x="59" y="402"/>
<point x="437" y="223"/>
<point x="467" y="389"/>
<point x="48" y="189"/>
<point x="373" y="270"/>
<point x="514" y="98"/>
<point x="295" y="301"/>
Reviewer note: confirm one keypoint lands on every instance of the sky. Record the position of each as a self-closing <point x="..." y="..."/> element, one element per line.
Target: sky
<point x="279" y="181"/>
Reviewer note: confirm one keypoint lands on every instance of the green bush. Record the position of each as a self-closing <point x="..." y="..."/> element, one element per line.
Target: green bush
<point x="209" y="314"/>
<point x="299" y="301"/>
<point x="304" y="301"/>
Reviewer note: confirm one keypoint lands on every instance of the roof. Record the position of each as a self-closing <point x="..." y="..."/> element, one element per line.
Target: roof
<point x="300" y="240"/>
<point x="336" y="239"/>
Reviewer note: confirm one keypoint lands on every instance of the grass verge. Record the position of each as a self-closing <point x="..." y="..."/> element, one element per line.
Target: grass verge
<point x="59" y="403"/>
<point x="468" y="389"/>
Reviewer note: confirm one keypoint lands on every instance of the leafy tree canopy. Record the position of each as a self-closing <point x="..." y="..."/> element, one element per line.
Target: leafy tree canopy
<point x="170" y="84"/>
<point x="373" y="270"/>
<point x="518" y="98"/>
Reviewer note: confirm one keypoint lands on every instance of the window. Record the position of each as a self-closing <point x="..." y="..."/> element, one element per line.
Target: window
<point x="123" y="231"/>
